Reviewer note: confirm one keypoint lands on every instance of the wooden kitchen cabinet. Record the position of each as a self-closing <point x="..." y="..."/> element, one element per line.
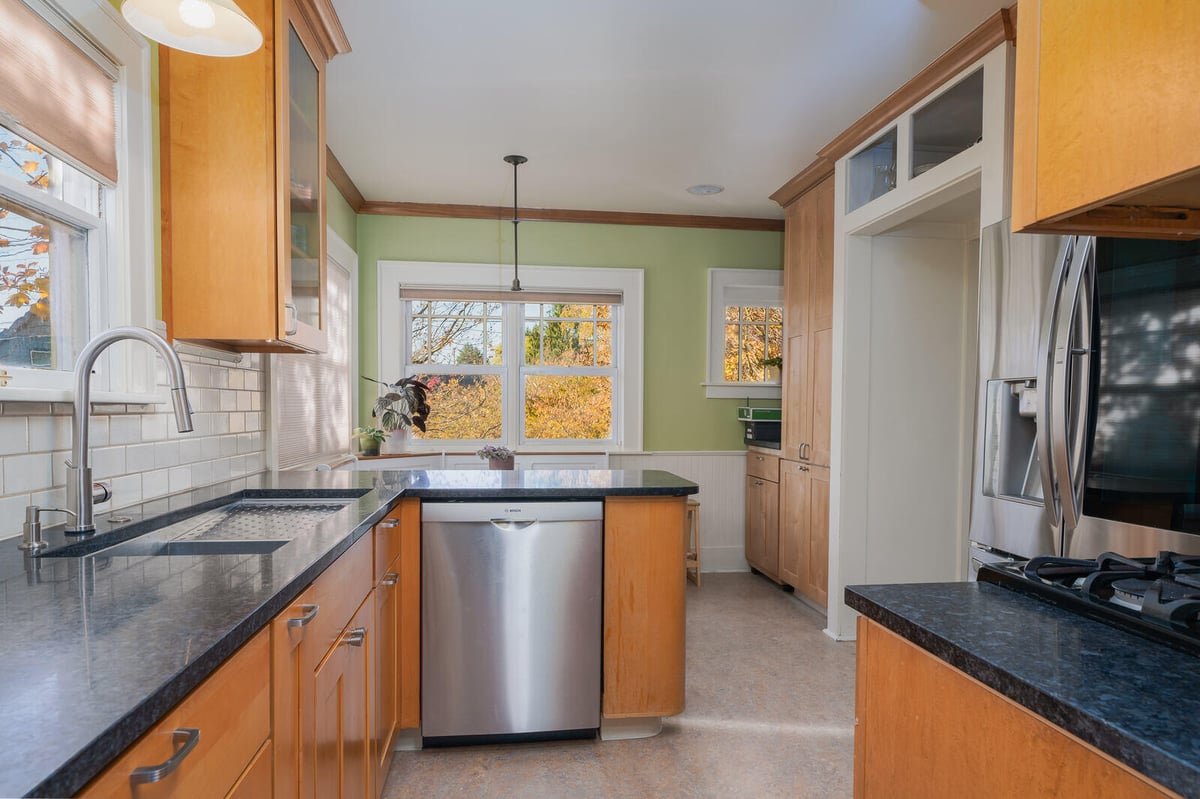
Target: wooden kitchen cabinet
<point x="395" y="567"/>
<point x="808" y="325"/>
<point x="924" y="728"/>
<point x="303" y="638"/>
<point x="342" y="716"/>
<point x="243" y="184"/>
<point x="215" y="737"/>
<point x="645" y="585"/>
<point x="762" y="524"/>
<point x="1106" y="133"/>
<point x="803" y="528"/>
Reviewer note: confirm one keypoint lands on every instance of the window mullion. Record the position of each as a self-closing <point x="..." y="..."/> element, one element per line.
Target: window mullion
<point x="514" y="336"/>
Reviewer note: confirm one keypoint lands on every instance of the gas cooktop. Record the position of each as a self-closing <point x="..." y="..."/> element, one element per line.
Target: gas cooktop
<point x="1157" y="598"/>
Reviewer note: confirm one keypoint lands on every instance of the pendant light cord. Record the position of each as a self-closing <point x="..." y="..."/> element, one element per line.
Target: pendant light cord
<point x="515" y="160"/>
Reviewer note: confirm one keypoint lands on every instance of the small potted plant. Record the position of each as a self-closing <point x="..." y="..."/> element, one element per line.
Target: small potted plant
<point x="369" y="439"/>
<point x="497" y="457"/>
<point x="773" y="367"/>
<point x="402" y="405"/>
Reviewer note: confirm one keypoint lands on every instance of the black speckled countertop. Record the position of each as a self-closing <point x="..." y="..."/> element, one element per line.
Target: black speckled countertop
<point x="1133" y="699"/>
<point x="95" y="650"/>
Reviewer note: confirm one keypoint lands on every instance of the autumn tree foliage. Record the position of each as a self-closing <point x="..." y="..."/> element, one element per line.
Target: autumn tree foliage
<point x="470" y="405"/>
<point x="24" y="275"/>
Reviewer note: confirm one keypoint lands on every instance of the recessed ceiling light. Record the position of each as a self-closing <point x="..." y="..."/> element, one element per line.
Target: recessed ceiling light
<point x="705" y="189"/>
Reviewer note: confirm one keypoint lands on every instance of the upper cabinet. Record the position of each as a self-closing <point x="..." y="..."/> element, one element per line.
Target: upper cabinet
<point x="243" y="184"/>
<point x="1106" y="131"/>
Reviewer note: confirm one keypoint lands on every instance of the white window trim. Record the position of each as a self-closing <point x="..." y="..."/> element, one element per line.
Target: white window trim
<point x="630" y="328"/>
<point x="126" y="293"/>
<point x="766" y="286"/>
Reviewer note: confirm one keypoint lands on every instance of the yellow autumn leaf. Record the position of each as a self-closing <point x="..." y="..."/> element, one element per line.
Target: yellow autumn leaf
<point x="17" y="300"/>
<point x="43" y="181"/>
<point x="41" y="248"/>
<point x="3" y="242"/>
<point x="39" y="232"/>
<point x="33" y="148"/>
<point x="42" y="284"/>
<point x="41" y="309"/>
<point x="29" y="167"/>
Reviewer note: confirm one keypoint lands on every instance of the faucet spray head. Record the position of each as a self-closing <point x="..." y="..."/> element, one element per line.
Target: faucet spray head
<point x="183" y="409"/>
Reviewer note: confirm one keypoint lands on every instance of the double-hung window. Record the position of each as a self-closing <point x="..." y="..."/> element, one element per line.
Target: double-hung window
<point x="548" y="368"/>
<point x="76" y="197"/>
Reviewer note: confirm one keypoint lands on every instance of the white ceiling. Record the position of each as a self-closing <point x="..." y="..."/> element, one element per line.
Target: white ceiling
<point x="620" y="105"/>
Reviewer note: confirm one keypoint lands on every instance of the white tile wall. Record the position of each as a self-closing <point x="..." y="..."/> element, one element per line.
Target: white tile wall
<point x="136" y="448"/>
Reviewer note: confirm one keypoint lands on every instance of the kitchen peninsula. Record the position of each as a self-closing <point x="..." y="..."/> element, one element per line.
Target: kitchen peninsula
<point x="98" y="651"/>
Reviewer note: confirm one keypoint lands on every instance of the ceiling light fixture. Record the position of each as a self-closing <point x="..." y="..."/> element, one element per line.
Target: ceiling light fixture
<point x="705" y="189"/>
<point x="203" y="27"/>
<point x="516" y="161"/>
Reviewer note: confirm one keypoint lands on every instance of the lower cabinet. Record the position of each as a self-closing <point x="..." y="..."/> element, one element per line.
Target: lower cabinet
<point x="762" y="525"/>
<point x="215" y="743"/>
<point x="924" y="728"/>
<point x="787" y="522"/>
<point x="342" y="716"/>
<point x="386" y="671"/>
<point x="804" y="528"/>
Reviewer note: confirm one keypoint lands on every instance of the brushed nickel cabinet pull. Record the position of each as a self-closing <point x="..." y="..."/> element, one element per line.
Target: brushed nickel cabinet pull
<point x="355" y="637"/>
<point x="391" y="578"/>
<point x="310" y="613"/>
<point x="390" y="523"/>
<point x="186" y="739"/>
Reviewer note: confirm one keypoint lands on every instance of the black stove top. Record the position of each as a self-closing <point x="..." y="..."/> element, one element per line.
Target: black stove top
<point x="1157" y="598"/>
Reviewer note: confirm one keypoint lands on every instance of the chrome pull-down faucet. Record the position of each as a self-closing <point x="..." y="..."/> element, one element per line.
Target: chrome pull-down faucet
<point x="79" y="469"/>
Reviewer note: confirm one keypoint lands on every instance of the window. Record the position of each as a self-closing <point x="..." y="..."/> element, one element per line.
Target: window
<point x="556" y="369"/>
<point x="76" y="235"/>
<point x="745" y="329"/>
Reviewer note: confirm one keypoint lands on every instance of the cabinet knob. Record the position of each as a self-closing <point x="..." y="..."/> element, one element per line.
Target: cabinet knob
<point x="390" y="523"/>
<point x="758" y="457"/>
<point x="391" y="578"/>
<point x="310" y="613"/>
<point x="186" y="739"/>
<point x="355" y="637"/>
<point x="758" y="482"/>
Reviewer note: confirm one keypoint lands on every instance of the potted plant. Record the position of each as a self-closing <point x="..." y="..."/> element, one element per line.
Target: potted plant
<point x="402" y="405"/>
<point x="369" y="439"/>
<point x="497" y="457"/>
<point x="773" y="367"/>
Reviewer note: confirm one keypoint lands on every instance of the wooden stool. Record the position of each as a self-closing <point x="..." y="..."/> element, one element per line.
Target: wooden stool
<point x="691" y="541"/>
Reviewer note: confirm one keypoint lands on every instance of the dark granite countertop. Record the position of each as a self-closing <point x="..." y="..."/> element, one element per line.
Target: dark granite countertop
<point x="1133" y="699"/>
<point x="95" y="650"/>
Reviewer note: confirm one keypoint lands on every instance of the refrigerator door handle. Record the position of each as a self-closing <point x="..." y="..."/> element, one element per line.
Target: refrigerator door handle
<point x="1066" y="424"/>
<point x="1045" y="379"/>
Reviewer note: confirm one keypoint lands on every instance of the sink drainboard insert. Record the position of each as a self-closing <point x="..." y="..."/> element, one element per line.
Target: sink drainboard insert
<point x="244" y="521"/>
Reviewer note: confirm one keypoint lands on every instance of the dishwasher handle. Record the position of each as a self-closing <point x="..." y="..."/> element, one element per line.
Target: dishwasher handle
<point x="510" y="524"/>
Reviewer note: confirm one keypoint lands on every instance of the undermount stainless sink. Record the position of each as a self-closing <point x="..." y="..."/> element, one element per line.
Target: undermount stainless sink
<point x="139" y="547"/>
<point x="248" y="526"/>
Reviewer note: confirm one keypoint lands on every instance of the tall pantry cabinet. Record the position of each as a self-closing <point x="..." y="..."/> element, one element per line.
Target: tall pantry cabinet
<point x="799" y="543"/>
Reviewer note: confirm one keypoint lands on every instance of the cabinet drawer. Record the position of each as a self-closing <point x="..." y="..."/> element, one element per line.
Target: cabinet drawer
<point x="763" y="466"/>
<point x="230" y="714"/>
<point x="337" y="593"/>
<point x="406" y="515"/>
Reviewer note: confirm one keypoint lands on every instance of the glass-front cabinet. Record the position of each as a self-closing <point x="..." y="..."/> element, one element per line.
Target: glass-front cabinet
<point x="302" y="278"/>
<point x="244" y="191"/>
<point x="871" y="172"/>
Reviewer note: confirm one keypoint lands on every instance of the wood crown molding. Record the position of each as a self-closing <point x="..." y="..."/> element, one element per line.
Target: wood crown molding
<point x="337" y="173"/>
<point x="448" y="211"/>
<point x="998" y="28"/>
<point x="341" y="179"/>
<point x="326" y="27"/>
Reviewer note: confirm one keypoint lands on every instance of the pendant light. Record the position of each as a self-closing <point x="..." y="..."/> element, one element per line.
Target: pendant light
<point x="203" y="27"/>
<point x="516" y="161"/>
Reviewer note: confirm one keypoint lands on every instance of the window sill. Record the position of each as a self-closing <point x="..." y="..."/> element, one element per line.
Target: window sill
<point x="743" y="390"/>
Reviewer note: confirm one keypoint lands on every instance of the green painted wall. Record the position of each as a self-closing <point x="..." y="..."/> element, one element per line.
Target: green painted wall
<point x="677" y="416"/>
<point x="340" y="216"/>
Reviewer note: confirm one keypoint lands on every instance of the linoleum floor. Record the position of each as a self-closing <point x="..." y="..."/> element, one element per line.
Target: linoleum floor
<point x="770" y="713"/>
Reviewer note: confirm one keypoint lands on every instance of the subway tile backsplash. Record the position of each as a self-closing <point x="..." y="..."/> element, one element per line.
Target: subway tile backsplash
<point x="135" y="448"/>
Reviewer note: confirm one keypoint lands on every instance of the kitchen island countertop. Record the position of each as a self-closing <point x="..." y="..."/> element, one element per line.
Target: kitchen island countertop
<point x="95" y="650"/>
<point x="1133" y="699"/>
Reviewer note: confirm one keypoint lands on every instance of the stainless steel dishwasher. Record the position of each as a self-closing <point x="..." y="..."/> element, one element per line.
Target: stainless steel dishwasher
<point x="510" y="620"/>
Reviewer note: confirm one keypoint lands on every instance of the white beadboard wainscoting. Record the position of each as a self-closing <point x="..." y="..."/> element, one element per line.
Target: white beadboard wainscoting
<point x="721" y="476"/>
